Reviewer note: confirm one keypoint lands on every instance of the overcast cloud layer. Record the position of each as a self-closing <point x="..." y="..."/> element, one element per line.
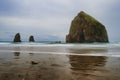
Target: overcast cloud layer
<point x="51" y="19"/>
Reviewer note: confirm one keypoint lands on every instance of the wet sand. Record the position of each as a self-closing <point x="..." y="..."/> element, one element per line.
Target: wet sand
<point x="17" y="64"/>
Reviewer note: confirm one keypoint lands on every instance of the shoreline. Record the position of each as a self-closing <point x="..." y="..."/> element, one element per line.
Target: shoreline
<point x="59" y="62"/>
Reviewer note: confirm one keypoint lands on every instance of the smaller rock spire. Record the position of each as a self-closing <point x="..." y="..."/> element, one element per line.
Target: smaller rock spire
<point x="17" y="38"/>
<point x="31" y="39"/>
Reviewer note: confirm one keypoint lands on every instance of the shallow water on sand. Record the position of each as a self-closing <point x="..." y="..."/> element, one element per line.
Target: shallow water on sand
<point x="33" y="61"/>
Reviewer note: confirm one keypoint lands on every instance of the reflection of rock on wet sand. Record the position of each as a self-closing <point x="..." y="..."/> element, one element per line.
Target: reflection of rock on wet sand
<point x="83" y="66"/>
<point x="86" y="62"/>
<point x="16" y="55"/>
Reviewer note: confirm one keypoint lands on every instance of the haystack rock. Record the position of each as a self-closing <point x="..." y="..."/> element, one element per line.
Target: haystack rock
<point x="31" y="39"/>
<point x="17" y="38"/>
<point x="85" y="29"/>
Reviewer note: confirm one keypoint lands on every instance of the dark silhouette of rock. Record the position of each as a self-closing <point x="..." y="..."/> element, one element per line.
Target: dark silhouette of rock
<point x="17" y="38"/>
<point x="31" y="39"/>
<point x="16" y="55"/>
<point x="85" y="29"/>
<point x="34" y="63"/>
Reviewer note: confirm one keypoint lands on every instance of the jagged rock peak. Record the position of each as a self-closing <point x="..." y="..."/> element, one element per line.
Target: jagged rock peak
<point x="82" y="12"/>
<point x="17" y="38"/>
<point x="84" y="29"/>
<point x="31" y="39"/>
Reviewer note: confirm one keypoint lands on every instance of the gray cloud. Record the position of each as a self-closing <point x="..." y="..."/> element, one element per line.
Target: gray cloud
<point x="52" y="18"/>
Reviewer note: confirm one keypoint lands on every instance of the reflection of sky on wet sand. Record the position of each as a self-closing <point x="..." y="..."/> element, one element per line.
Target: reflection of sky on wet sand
<point x="43" y="66"/>
<point x="48" y="67"/>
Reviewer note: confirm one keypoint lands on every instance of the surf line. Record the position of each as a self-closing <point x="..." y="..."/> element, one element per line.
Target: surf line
<point x="64" y="53"/>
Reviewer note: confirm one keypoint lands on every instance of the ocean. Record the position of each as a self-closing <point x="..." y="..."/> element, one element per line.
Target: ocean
<point x="59" y="61"/>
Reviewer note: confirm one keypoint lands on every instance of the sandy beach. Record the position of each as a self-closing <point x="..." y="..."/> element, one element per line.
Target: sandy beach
<point x="59" y="62"/>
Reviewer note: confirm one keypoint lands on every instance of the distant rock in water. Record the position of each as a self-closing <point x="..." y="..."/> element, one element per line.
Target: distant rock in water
<point x="31" y="39"/>
<point x="86" y="29"/>
<point x="17" y="38"/>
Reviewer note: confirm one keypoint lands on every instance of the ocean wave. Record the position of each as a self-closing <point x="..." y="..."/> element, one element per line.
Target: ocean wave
<point x="75" y="46"/>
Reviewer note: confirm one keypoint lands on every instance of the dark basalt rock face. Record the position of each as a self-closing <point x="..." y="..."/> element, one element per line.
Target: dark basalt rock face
<point x="17" y="38"/>
<point x="31" y="39"/>
<point x="86" y="29"/>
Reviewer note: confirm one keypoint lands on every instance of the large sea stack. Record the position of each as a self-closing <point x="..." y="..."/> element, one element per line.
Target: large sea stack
<point x="85" y="29"/>
<point x="17" y="38"/>
<point x="31" y="39"/>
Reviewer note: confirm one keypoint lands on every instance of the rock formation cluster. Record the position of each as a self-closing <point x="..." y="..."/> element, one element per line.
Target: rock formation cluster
<point x="17" y="38"/>
<point x="84" y="29"/>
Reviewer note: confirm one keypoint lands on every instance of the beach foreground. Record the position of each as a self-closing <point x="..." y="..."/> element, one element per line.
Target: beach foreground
<point x="59" y="61"/>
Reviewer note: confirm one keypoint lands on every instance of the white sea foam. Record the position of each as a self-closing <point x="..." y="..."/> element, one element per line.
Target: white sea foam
<point x="81" y="46"/>
<point x="95" y="49"/>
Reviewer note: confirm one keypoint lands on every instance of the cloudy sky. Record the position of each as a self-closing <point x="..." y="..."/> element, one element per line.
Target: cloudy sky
<point x="51" y="19"/>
